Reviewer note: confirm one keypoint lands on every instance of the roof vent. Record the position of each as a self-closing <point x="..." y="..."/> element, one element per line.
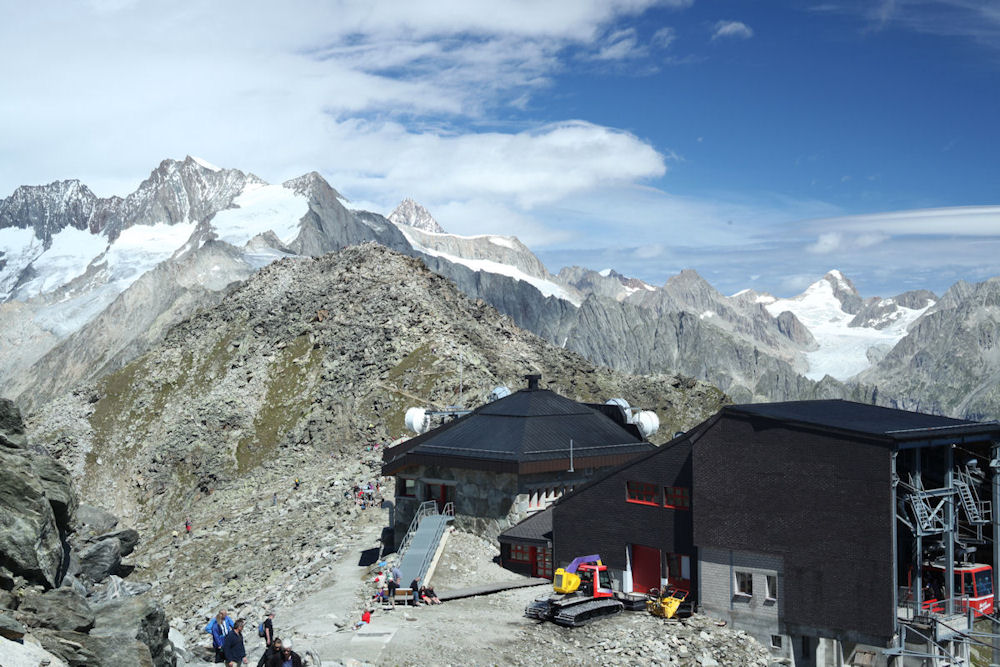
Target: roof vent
<point x="532" y="381"/>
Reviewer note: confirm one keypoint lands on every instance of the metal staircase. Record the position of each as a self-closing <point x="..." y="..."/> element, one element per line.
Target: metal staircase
<point x="928" y="507"/>
<point x="421" y="541"/>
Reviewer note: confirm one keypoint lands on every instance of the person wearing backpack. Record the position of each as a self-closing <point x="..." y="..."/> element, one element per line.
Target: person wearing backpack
<point x="266" y="629"/>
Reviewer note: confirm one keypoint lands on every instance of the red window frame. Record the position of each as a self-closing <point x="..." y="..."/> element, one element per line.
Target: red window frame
<point x="677" y="497"/>
<point x="642" y="493"/>
<point x="520" y="553"/>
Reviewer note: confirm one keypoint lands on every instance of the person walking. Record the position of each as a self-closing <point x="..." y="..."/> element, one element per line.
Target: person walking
<point x="286" y="657"/>
<point x="233" y="648"/>
<point x="269" y="628"/>
<point x="219" y="627"/>
<point x="273" y="649"/>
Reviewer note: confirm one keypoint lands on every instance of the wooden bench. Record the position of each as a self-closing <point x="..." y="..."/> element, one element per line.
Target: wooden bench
<point x="404" y="595"/>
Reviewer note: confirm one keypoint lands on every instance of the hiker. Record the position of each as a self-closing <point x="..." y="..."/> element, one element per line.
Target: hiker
<point x="366" y="617"/>
<point x="187" y="527"/>
<point x="274" y="500"/>
<point x="296" y="484"/>
<point x="233" y="648"/>
<point x="286" y="656"/>
<point x="267" y="629"/>
<point x="428" y="595"/>
<point x="219" y="627"/>
<point x="273" y="649"/>
<point x="173" y="537"/>
<point x="415" y="589"/>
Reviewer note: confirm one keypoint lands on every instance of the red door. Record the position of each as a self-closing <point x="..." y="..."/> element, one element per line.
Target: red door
<point x="645" y="568"/>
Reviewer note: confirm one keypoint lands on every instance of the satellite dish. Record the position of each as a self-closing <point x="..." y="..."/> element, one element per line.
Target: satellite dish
<point x="417" y="420"/>
<point x="648" y="423"/>
<point x="499" y="392"/>
<point x="623" y="404"/>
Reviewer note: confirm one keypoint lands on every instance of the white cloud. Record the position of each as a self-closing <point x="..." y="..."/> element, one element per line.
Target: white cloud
<point x="952" y="221"/>
<point x="826" y="243"/>
<point x="104" y="91"/>
<point x="620" y="45"/>
<point x="732" y="29"/>
<point x="664" y="37"/>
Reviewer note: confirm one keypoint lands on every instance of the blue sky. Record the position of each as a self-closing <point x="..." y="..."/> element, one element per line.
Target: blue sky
<point x="760" y="143"/>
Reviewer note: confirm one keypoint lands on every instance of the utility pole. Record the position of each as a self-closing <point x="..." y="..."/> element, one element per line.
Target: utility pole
<point x="571" y="455"/>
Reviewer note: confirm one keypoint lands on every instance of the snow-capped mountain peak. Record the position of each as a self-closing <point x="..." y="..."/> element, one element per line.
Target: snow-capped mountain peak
<point x="412" y="214"/>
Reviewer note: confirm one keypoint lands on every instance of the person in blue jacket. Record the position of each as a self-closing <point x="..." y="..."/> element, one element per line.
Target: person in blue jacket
<point x="219" y="627"/>
<point x="233" y="648"/>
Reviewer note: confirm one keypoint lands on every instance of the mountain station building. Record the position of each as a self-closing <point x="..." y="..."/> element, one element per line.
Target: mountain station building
<point x="837" y="533"/>
<point x="509" y="458"/>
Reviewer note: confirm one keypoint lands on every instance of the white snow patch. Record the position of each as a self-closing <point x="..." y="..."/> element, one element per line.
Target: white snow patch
<point x="707" y="313"/>
<point x="206" y="164"/>
<point x="605" y="272"/>
<point x="649" y="287"/>
<point x="765" y="299"/>
<point x="141" y="247"/>
<point x="70" y="254"/>
<point x="502" y="241"/>
<point x="262" y="208"/>
<point x="843" y="350"/>
<point x="742" y="291"/>
<point x="546" y="287"/>
<point x="18" y="248"/>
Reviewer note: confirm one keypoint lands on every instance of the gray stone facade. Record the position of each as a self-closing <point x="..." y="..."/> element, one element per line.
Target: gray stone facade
<point x="486" y="503"/>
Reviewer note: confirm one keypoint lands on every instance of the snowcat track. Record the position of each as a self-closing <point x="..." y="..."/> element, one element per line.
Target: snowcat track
<point x="580" y="614"/>
<point x="540" y="609"/>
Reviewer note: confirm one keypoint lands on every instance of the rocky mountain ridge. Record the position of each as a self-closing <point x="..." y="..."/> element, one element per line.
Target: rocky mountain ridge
<point x="827" y="341"/>
<point x="299" y="372"/>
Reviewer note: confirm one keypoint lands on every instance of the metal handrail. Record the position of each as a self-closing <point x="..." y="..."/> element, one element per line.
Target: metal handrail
<point x="426" y="508"/>
<point x="449" y="510"/>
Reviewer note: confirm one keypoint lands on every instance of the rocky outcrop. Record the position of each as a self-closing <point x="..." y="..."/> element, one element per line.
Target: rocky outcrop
<point x="46" y="579"/>
<point x="58" y="609"/>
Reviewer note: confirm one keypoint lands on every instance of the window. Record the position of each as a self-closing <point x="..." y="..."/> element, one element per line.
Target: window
<point x="744" y="583"/>
<point x="406" y="487"/>
<point x="775" y="641"/>
<point x="640" y="492"/>
<point x="677" y="497"/>
<point x="772" y="586"/>
<point x="520" y="552"/>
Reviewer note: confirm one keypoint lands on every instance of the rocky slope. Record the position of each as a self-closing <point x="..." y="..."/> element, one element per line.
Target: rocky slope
<point x="60" y="592"/>
<point x="950" y="361"/>
<point x="297" y="373"/>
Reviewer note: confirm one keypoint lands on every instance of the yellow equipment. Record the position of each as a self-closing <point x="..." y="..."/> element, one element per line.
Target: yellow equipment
<point x="667" y="602"/>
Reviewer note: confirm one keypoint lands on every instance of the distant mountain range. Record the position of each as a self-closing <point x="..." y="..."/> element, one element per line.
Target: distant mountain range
<point x="86" y="284"/>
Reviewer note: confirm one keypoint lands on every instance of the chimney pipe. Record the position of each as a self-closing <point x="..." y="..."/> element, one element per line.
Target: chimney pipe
<point x="532" y="381"/>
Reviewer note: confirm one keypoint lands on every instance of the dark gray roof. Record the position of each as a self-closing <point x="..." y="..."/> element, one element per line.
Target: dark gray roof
<point x="535" y="528"/>
<point x="527" y="426"/>
<point x="862" y="418"/>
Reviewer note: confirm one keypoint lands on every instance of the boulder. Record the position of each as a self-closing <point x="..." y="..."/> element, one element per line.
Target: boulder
<point x="30" y="543"/>
<point x="91" y="520"/>
<point x="11" y="426"/>
<point x="58" y="609"/>
<point x="28" y="654"/>
<point x="140" y="619"/>
<point x="101" y="559"/>
<point x="10" y="627"/>
<point x="116" y="588"/>
<point x="127" y="538"/>
<point x="80" y="650"/>
<point x="58" y="488"/>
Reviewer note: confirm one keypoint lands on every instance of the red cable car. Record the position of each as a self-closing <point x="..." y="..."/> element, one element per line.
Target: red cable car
<point x="973" y="588"/>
